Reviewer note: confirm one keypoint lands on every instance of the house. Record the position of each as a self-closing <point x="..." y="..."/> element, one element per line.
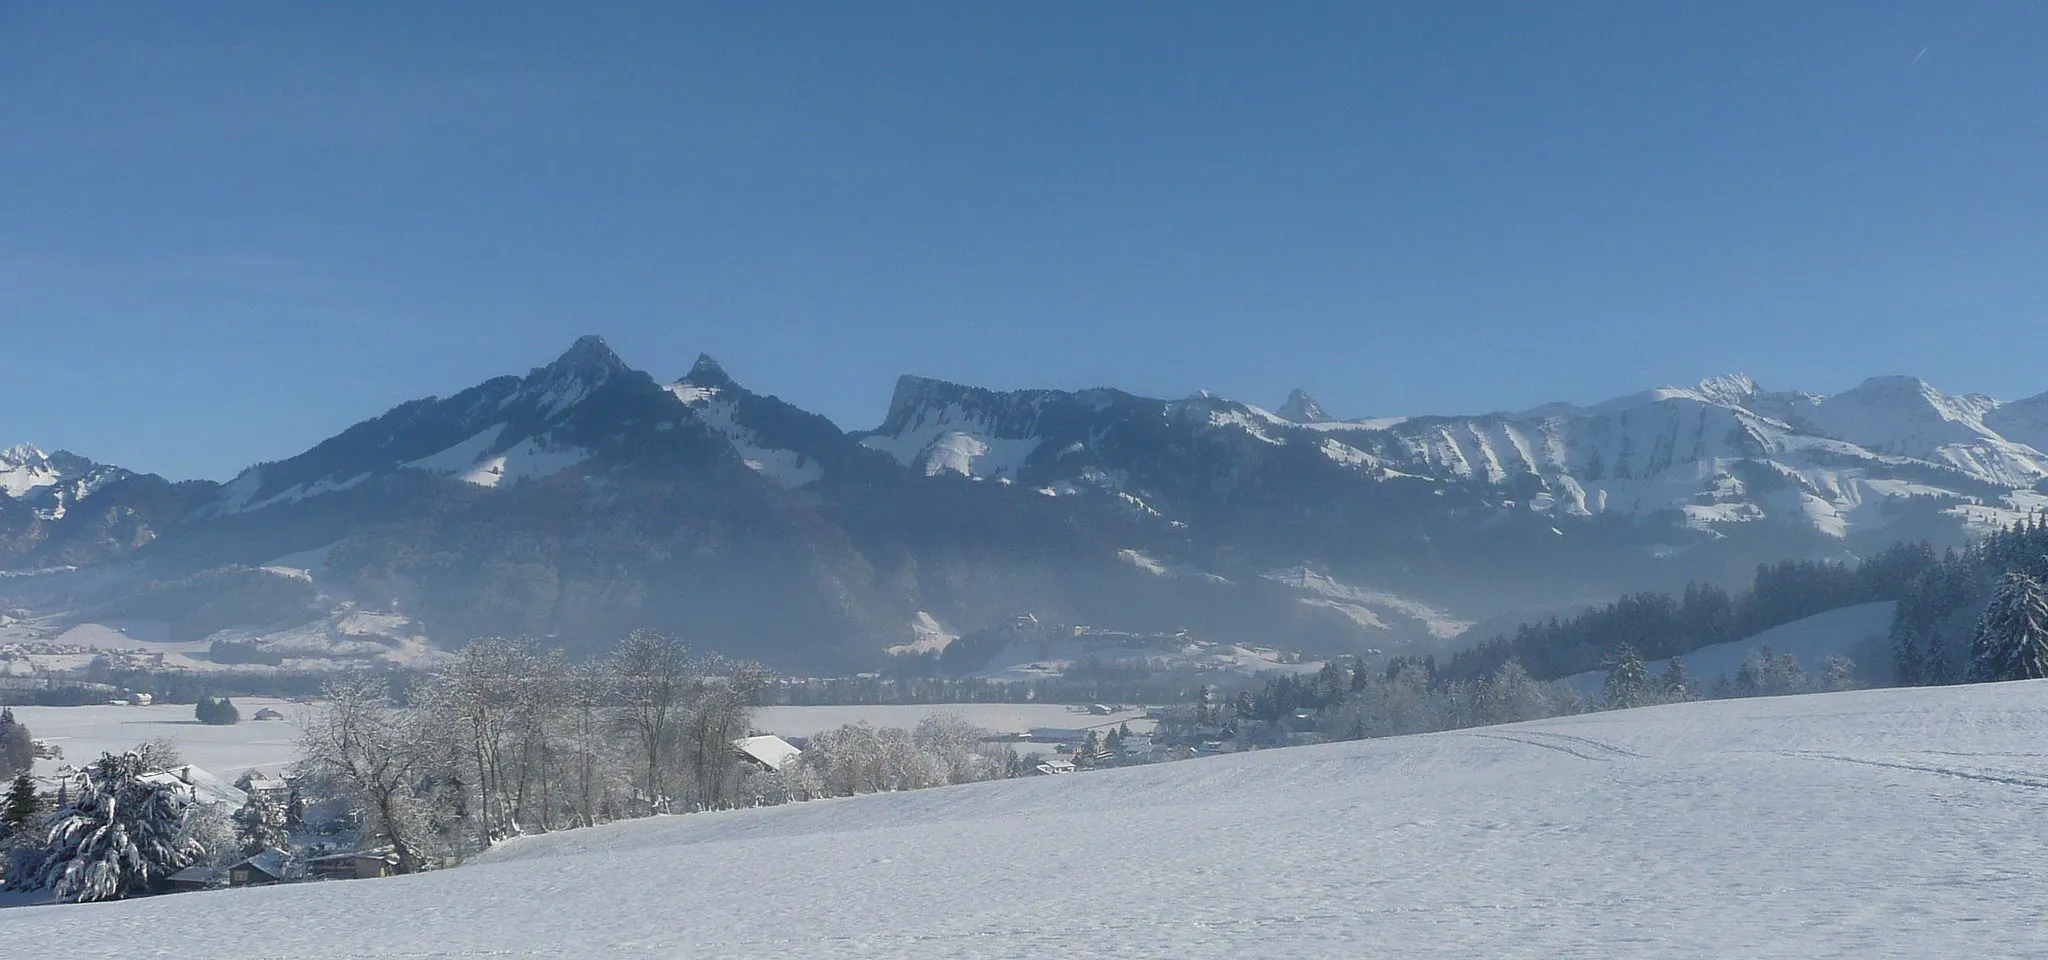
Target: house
<point x="267" y="714"/>
<point x="264" y="868"/>
<point x="1137" y="747"/>
<point x="769" y="752"/>
<point x="194" y="878"/>
<point x="256" y="783"/>
<point x="1100" y="709"/>
<point x="354" y="865"/>
<point x="199" y="786"/>
<point x="1053" y="767"/>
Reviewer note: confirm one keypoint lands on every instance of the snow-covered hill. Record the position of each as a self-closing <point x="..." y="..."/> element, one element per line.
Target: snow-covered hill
<point x="1898" y="823"/>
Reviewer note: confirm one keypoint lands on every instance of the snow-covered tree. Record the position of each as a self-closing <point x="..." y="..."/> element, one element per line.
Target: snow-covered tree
<point x="1837" y="672"/>
<point x="260" y="826"/>
<point x="1766" y="673"/>
<point x="1511" y="696"/>
<point x="1675" y="684"/>
<point x="377" y="757"/>
<point x="17" y="748"/>
<point x="2012" y="634"/>
<point x="213" y="836"/>
<point x="217" y="711"/>
<point x="651" y="675"/>
<point x="119" y="836"/>
<point x="1628" y="683"/>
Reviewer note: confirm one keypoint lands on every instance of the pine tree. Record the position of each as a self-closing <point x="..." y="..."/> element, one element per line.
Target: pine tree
<point x="1627" y="680"/>
<point x="2012" y="635"/>
<point x="119" y="836"/>
<point x="22" y="808"/>
<point x="294" y="810"/>
<point x="1675" y="684"/>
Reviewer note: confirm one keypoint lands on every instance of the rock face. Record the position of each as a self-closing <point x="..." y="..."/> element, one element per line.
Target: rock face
<point x="586" y="498"/>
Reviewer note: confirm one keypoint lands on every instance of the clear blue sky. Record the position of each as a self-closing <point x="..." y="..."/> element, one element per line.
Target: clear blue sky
<point x="228" y="232"/>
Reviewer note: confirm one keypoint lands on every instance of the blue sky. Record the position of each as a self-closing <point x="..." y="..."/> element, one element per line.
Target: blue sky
<point x="227" y="233"/>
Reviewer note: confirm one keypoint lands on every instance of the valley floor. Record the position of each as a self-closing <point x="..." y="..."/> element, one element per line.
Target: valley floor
<point x="1890" y="823"/>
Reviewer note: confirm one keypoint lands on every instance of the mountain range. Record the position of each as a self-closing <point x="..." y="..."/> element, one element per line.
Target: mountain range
<point x="586" y="498"/>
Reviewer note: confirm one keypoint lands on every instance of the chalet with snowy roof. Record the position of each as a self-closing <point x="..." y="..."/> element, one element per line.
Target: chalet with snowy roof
<point x="262" y="869"/>
<point x="769" y="752"/>
<point x="194" y="878"/>
<point x="267" y="714"/>
<point x="354" y="865"/>
<point x="256" y="783"/>
<point x="1053" y="767"/>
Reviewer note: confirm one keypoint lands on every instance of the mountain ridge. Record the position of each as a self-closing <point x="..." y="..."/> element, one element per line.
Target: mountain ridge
<point x="587" y="496"/>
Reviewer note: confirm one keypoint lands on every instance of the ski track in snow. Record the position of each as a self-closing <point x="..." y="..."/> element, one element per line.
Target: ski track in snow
<point x="1869" y="824"/>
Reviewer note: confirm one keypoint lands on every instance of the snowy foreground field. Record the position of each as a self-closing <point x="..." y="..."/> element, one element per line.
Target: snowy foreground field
<point x="1895" y="823"/>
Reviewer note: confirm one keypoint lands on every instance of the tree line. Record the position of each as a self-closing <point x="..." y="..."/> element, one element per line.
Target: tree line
<point x="1660" y="625"/>
<point x="1977" y="614"/>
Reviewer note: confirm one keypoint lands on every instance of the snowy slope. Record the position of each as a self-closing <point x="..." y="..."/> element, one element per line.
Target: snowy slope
<point x="1899" y="823"/>
<point x="1860" y="632"/>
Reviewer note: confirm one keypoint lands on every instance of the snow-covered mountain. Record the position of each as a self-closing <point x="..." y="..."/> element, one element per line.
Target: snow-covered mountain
<point x="61" y="509"/>
<point x="1707" y="458"/>
<point x="586" y="497"/>
<point x="1883" y="823"/>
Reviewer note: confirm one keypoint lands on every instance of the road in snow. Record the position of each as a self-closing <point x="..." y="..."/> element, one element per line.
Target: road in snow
<point x="1895" y="823"/>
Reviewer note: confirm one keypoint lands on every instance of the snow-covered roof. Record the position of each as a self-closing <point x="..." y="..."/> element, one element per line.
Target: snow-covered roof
<point x="770" y="750"/>
<point x="204" y="787"/>
<point x="269" y="861"/>
<point x="196" y="875"/>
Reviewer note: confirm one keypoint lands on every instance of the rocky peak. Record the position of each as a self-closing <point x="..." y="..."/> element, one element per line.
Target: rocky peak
<point x="1302" y="408"/>
<point x="706" y="372"/>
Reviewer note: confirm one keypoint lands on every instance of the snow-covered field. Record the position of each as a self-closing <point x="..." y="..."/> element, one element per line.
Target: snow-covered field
<point x="86" y="732"/>
<point x="1891" y="823"/>
<point x="995" y="717"/>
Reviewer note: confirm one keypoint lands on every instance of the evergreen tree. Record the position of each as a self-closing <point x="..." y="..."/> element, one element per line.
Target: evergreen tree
<point x="261" y="825"/>
<point x="294" y="810"/>
<point x="1837" y="673"/>
<point x="1675" y="684"/>
<point x="2012" y="635"/>
<point x="120" y="835"/>
<point x="22" y="809"/>
<point x="17" y="748"/>
<point x="1627" y="680"/>
<point x="217" y="711"/>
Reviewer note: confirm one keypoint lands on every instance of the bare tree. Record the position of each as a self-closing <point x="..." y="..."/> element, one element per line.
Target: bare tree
<point x="719" y="710"/>
<point x="374" y="755"/>
<point x="652" y="674"/>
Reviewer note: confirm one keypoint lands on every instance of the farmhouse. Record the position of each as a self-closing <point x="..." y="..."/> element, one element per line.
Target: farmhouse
<point x="194" y="878"/>
<point x="262" y="869"/>
<point x="354" y="865"/>
<point x="769" y="752"/>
